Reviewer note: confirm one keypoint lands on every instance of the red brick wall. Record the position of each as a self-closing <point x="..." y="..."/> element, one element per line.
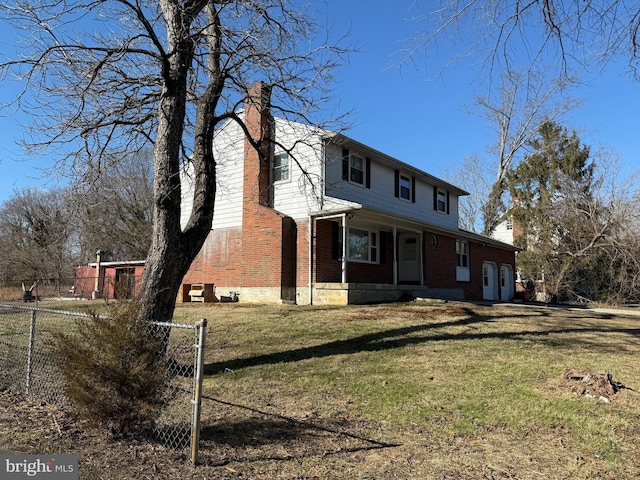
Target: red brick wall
<point x="439" y="260"/>
<point x="85" y="281"/>
<point x="478" y="254"/>
<point x="219" y="260"/>
<point x="440" y="263"/>
<point x="262" y="244"/>
<point x="326" y="268"/>
<point x="302" y="248"/>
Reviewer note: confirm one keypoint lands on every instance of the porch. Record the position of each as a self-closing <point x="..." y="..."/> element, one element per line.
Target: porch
<point x="363" y="293"/>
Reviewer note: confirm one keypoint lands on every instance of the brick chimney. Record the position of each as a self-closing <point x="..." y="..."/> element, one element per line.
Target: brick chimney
<point x="257" y="161"/>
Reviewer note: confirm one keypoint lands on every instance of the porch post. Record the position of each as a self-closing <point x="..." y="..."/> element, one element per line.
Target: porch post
<point x="395" y="256"/>
<point x="421" y="257"/>
<point x="344" y="248"/>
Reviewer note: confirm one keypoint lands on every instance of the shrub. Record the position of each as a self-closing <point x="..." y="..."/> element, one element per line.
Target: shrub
<point x="113" y="372"/>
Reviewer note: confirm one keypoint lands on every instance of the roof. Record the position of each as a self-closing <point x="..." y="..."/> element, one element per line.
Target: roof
<point x="342" y="140"/>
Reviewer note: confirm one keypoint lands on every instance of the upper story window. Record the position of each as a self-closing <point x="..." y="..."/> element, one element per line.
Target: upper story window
<point x="356" y="169"/>
<point x="405" y="187"/>
<point x="281" y="167"/>
<point x="362" y="245"/>
<point x="440" y="200"/>
<point x="509" y="223"/>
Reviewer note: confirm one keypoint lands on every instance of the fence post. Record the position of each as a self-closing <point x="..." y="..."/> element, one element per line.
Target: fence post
<point x="197" y="394"/>
<point x="31" y="352"/>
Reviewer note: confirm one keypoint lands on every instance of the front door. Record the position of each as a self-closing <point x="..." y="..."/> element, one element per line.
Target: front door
<point x="506" y="283"/>
<point x="408" y="258"/>
<point x="489" y="281"/>
<point x="125" y="283"/>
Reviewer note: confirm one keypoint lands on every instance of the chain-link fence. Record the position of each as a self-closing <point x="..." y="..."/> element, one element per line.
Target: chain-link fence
<point x="29" y="364"/>
<point x="116" y="283"/>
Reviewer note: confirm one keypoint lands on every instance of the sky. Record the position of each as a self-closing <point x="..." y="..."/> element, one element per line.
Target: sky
<point x="399" y="109"/>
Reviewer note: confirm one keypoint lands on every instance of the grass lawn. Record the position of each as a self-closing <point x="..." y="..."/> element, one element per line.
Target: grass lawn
<point x="410" y="389"/>
<point x="407" y="390"/>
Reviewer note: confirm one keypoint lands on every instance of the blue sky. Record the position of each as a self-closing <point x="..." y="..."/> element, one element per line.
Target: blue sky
<point x="400" y="111"/>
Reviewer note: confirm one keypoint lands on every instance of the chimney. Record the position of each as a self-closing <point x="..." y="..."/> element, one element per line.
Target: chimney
<point x="257" y="161"/>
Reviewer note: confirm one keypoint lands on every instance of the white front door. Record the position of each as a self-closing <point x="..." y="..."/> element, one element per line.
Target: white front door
<point x="489" y="281"/>
<point x="506" y="283"/>
<point x="408" y="258"/>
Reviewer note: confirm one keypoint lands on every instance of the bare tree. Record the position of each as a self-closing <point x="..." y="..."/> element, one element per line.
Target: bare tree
<point x="473" y="176"/>
<point x="36" y="236"/>
<point x="115" y="209"/>
<point x="523" y="33"/>
<point x="114" y="76"/>
<point x="514" y="109"/>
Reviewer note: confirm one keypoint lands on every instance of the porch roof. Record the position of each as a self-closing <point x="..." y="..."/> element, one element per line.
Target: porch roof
<point x="130" y="263"/>
<point x="411" y="223"/>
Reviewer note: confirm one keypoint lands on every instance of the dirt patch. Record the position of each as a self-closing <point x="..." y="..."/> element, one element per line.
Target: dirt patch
<point x="596" y="385"/>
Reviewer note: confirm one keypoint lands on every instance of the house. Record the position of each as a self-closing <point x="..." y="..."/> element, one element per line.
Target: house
<point x="319" y="218"/>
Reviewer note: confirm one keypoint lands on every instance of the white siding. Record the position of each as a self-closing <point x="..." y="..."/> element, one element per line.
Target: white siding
<point x="303" y="193"/>
<point x="186" y="202"/>
<point x="381" y="194"/>
<point x="504" y="232"/>
<point x="228" y="152"/>
<point x="228" y="149"/>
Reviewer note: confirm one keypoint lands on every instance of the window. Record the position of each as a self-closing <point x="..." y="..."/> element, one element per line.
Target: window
<point x="441" y="201"/>
<point x="356" y="169"/>
<point x="281" y="167"/>
<point x="509" y="223"/>
<point x="363" y="245"/>
<point x="462" y="254"/>
<point x="463" y="273"/>
<point x="405" y="187"/>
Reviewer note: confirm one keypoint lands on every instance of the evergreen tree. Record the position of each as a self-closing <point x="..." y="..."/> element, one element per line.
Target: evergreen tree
<point x="554" y="207"/>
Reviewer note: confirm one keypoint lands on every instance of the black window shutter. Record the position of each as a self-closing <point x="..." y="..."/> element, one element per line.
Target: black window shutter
<point x="345" y="164"/>
<point x="383" y="248"/>
<point x="396" y="191"/>
<point x="468" y="254"/>
<point x="368" y="172"/>
<point x="435" y="198"/>
<point x="447" y="203"/>
<point x="413" y="189"/>
<point x="336" y="250"/>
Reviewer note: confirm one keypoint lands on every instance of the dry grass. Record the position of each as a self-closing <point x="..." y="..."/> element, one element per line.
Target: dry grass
<point x="394" y="391"/>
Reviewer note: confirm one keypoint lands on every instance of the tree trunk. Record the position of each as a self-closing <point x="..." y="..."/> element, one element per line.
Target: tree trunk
<point x="172" y="249"/>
